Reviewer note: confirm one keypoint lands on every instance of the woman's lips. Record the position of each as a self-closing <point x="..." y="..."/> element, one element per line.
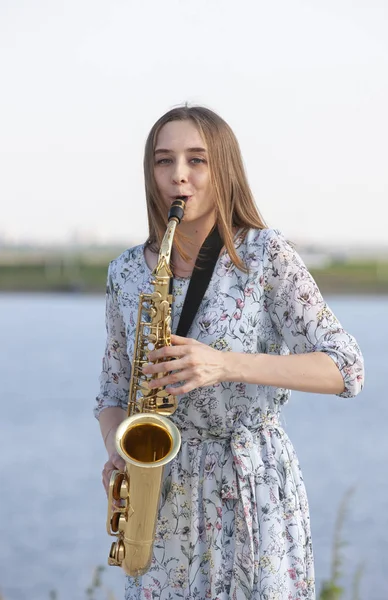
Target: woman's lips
<point x="181" y="196"/>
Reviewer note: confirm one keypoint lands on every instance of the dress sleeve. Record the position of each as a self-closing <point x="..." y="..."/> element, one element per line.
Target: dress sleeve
<point x="301" y="316"/>
<point x="116" y="368"/>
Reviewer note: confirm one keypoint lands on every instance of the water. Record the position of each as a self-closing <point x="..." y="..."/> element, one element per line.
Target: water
<point x="53" y="506"/>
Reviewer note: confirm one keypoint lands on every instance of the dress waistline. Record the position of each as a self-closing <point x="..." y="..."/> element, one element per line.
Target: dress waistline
<point x="268" y="421"/>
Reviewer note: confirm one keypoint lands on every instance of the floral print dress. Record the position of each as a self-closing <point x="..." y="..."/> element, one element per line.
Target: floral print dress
<point x="234" y="519"/>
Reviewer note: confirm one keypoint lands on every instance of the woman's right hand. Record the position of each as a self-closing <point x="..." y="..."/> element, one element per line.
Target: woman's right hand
<point x="114" y="463"/>
<point x="110" y="419"/>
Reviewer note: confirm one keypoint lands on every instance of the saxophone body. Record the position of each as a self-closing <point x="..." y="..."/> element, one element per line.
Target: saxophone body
<point x="147" y="440"/>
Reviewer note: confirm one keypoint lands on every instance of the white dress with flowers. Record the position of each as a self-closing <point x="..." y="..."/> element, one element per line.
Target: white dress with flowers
<point x="234" y="519"/>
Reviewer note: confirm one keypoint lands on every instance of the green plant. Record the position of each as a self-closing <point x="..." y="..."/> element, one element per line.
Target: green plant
<point x="331" y="588"/>
<point x="97" y="586"/>
<point x="95" y="591"/>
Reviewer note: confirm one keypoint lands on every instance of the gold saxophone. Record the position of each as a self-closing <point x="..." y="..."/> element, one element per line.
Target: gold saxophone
<point x="146" y="439"/>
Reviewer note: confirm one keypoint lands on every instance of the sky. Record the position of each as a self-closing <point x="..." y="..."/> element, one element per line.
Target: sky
<point x="303" y="84"/>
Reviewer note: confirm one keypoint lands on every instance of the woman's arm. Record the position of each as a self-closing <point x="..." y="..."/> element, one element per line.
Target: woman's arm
<point x="322" y="352"/>
<point x="116" y="367"/>
<point x="200" y="365"/>
<point x="112" y="400"/>
<point x="110" y="419"/>
<point x="313" y="372"/>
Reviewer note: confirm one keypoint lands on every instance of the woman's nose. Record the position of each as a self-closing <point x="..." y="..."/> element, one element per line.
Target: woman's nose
<point x="179" y="173"/>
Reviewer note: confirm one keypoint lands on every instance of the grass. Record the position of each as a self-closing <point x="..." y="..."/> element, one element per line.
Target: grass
<point x="331" y="588"/>
<point x="88" y="275"/>
<point x="58" y="277"/>
<point x="353" y="277"/>
<point x="95" y="591"/>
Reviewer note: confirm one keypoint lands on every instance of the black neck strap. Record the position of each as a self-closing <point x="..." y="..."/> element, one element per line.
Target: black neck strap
<point x="203" y="270"/>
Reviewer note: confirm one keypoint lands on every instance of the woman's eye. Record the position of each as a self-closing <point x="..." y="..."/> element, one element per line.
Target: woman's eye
<point x="168" y="161"/>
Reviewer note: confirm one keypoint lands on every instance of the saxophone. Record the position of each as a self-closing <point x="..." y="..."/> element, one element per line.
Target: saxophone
<point x="147" y="440"/>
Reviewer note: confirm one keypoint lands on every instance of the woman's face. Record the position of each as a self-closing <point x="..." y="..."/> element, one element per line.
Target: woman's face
<point x="181" y="168"/>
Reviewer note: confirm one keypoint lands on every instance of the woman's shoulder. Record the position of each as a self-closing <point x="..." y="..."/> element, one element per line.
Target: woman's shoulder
<point x="268" y="239"/>
<point x="129" y="262"/>
<point x="267" y="247"/>
<point x="134" y="253"/>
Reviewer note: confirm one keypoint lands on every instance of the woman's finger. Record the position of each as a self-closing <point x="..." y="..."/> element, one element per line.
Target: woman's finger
<point x="163" y="367"/>
<point x="167" y="352"/>
<point x="169" y="379"/>
<point x="186" y="387"/>
<point x="178" y="340"/>
<point x="117" y="461"/>
<point x="106" y="474"/>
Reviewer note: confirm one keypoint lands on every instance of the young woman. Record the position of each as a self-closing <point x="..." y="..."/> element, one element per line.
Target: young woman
<point x="233" y="519"/>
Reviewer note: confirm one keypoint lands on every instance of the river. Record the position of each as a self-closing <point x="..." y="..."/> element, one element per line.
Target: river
<point x="53" y="506"/>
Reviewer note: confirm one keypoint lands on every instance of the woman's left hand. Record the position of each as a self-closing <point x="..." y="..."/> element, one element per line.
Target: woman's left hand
<point x="195" y="365"/>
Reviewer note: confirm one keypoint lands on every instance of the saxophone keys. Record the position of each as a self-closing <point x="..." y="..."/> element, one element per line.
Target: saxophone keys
<point x="143" y="385"/>
<point x="164" y="309"/>
<point x="166" y="408"/>
<point x="118" y="480"/>
<point x="124" y="489"/>
<point x="114" y="522"/>
<point x="116" y="554"/>
<point x="146" y="392"/>
<point x="115" y="501"/>
<point x="165" y="401"/>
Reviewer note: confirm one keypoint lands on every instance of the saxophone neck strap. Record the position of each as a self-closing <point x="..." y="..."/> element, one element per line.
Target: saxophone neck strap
<point x="200" y="278"/>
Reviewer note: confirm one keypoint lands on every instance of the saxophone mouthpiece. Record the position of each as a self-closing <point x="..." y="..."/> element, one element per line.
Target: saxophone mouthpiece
<point x="177" y="209"/>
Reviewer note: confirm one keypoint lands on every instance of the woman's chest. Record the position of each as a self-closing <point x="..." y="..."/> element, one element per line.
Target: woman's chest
<point x="232" y="314"/>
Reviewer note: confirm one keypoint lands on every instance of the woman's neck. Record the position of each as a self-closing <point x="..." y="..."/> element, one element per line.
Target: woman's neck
<point x="196" y="234"/>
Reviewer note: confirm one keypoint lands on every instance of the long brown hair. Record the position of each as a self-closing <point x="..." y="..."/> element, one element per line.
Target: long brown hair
<point x="235" y="205"/>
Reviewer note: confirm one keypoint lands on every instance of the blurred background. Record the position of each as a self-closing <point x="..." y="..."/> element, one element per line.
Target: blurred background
<point x="304" y="85"/>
